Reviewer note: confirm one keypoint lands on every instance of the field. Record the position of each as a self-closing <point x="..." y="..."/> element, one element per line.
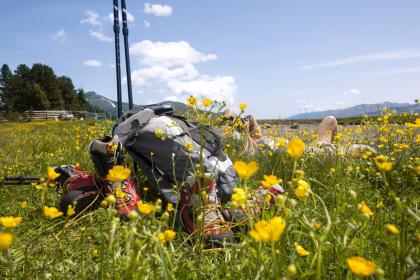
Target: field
<point x="343" y="216"/>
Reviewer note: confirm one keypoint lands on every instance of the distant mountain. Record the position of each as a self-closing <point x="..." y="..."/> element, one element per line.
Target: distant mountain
<point x="110" y="106"/>
<point x="359" y="110"/>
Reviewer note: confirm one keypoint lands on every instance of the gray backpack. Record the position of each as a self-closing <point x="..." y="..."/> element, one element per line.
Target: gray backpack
<point x="167" y="149"/>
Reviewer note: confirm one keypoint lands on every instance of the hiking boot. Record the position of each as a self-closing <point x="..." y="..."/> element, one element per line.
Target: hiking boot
<point x="200" y="204"/>
<point x="105" y="154"/>
<point x="80" y="189"/>
<point x="126" y="196"/>
<point x="259" y="199"/>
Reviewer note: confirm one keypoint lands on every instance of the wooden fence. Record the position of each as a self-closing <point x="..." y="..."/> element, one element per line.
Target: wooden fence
<point x="61" y="115"/>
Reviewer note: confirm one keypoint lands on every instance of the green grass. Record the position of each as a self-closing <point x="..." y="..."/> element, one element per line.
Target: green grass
<point x="98" y="246"/>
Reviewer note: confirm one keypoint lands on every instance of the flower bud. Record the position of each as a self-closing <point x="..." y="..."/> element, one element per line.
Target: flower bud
<point x="293" y="202"/>
<point x="110" y="199"/>
<point x="133" y="215"/>
<point x="104" y="204"/>
<point x="165" y="215"/>
<point x="291" y="269"/>
<point x="299" y="174"/>
<point x="353" y="194"/>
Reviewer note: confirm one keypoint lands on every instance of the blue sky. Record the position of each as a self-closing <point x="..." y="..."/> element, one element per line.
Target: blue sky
<point x="279" y="57"/>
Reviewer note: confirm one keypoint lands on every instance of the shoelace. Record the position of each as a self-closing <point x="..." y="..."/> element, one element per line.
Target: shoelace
<point x="217" y="221"/>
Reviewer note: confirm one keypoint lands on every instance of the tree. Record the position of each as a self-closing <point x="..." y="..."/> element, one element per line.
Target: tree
<point x="67" y="91"/>
<point x="5" y="75"/>
<point x="81" y="97"/>
<point x="38" y="88"/>
<point x="45" y="77"/>
<point x="39" y="99"/>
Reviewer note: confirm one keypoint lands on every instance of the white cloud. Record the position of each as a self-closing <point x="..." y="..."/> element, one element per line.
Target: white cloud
<point x="172" y="98"/>
<point x="306" y="106"/>
<point x="220" y="88"/>
<point x="60" y="35"/>
<point x="354" y="91"/>
<point x="169" y="70"/>
<point x="146" y="24"/>
<point x="130" y="17"/>
<point x="168" y="53"/>
<point x="157" y="10"/>
<point x="100" y="36"/>
<point x="92" y="63"/>
<point x="142" y="76"/>
<point x="391" y="72"/>
<point x="384" y="56"/>
<point x="92" y="18"/>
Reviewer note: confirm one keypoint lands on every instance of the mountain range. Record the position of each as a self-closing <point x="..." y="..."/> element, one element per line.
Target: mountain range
<point x="110" y="106"/>
<point x="359" y="110"/>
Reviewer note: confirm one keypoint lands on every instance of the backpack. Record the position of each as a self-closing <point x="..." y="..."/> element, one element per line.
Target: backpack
<point x="167" y="148"/>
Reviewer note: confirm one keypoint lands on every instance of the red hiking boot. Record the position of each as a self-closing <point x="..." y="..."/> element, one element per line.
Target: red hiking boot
<point x="105" y="154"/>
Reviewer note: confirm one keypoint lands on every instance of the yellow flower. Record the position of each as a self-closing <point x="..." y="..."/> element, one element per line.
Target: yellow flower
<point x="361" y="266"/>
<point x="270" y="181"/>
<point x="295" y="148"/>
<point x="146" y="208"/>
<point x="167" y="235"/>
<point x="119" y="193"/>
<point x="281" y="142"/>
<point x="70" y="210"/>
<point x="270" y="231"/>
<point x="95" y="253"/>
<point x="365" y="209"/>
<point x="192" y="100"/>
<point x="24" y="204"/>
<point x="39" y="186"/>
<point x="170" y="207"/>
<point x="242" y="106"/>
<point x="239" y="197"/>
<point x="383" y="139"/>
<point x="52" y="175"/>
<point x="382" y="163"/>
<point x="207" y="102"/>
<point x="6" y="239"/>
<point x="10" y="222"/>
<point x="159" y="133"/>
<point x="391" y="229"/>
<point x="189" y="147"/>
<point x="246" y="170"/>
<point x="51" y="212"/>
<point x="118" y="173"/>
<point x="302" y="190"/>
<point x="300" y="250"/>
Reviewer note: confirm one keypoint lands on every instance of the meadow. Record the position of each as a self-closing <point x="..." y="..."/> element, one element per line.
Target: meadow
<point x="344" y="216"/>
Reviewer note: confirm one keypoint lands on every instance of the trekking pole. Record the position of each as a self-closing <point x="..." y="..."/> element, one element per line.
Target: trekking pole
<point x="117" y="56"/>
<point x="127" y="54"/>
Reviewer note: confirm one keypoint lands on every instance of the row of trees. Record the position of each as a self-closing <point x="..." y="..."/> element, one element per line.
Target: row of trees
<point x="38" y="88"/>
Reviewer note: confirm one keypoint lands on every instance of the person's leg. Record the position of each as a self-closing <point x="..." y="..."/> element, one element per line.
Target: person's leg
<point x="326" y="130"/>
